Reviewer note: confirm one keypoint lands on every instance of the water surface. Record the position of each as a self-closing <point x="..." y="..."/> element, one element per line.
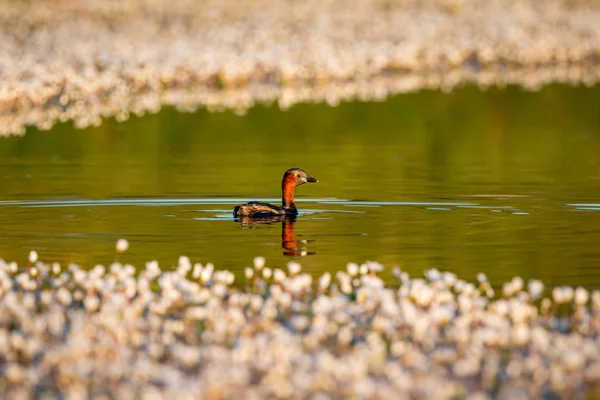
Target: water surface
<point x="503" y="181"/>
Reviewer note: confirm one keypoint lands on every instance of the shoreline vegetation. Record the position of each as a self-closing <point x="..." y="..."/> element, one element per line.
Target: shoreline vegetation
<point x="84" y="61"/>
<point x="192" y="332"/>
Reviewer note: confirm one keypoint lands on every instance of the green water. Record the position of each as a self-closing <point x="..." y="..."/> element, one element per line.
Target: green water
<point x="505" y="181"/>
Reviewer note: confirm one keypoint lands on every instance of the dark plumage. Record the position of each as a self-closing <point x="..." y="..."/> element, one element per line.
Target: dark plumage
<point x="293" y="177"/>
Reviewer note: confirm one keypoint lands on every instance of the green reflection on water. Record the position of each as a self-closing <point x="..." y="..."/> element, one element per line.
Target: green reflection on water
<point x="520" y="162"/>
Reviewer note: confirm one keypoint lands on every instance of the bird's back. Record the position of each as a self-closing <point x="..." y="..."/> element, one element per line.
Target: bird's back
<point x="256" y="209"/>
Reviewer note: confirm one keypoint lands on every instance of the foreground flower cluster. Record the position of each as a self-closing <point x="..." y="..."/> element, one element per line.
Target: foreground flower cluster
<point x="84" y="60"/>
<point x="190" y="332"/>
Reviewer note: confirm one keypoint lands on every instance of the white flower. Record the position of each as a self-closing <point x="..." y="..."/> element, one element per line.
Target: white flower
<point x="482" y="278"/>
<point x="33" y="256"/>
<point x="324" y="281"/>
<point x="294" y="268"/>
<point x="267" y="273"/>
<point x="352" y="269"/>
<point x="122" y="245"/>
<point x="581" y="296"/>
<point x="259" y="262"/>
<point x="535" y="288"/>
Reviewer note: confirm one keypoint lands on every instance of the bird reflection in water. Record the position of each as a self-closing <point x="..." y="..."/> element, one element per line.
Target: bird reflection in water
<point x="291" y="246"/>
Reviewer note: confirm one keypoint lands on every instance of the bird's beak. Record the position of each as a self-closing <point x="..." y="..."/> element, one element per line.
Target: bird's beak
<point x="311" y="179"/>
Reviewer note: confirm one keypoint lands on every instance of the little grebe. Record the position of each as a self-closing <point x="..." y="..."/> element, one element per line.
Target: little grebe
<point x="293" y="177"/>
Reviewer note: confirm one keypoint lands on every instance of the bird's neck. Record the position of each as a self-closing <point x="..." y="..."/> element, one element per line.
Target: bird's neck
<point x="288" y="186"/>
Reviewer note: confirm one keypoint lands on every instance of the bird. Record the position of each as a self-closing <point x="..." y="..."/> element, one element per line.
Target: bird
<point x="293" y="177"/>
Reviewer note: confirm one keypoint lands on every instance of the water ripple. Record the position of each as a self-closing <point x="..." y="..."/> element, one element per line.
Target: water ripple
<point x="214" y="201"/>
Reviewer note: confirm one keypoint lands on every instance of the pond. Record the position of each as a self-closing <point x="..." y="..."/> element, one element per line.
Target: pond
<point x="502" y="181"/>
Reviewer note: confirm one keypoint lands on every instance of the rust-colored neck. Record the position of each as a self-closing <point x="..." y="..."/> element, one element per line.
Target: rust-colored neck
<point x="288" y="185"/>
